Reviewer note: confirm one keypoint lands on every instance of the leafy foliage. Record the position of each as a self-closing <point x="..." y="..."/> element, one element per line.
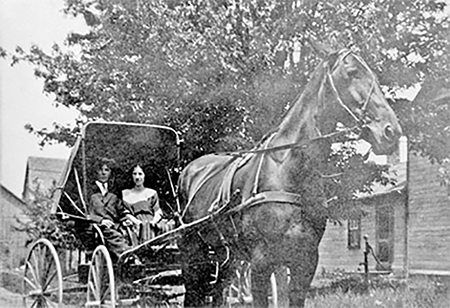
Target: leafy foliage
<point x="42" y="224"/>
<point x="226" y="68"/>
<point x="223" y="72"/>
<point x="342" y="289"/>
<point x="348" y="174"/>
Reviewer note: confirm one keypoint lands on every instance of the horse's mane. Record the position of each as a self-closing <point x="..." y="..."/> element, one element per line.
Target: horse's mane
<point x="310" y="90"/>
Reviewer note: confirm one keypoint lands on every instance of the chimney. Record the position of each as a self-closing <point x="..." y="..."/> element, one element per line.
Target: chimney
<point x="403" y="149"/>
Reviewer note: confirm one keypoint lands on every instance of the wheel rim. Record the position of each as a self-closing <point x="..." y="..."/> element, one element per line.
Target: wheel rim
<point x="101" y="291"/>
<point x="42" y="279"/>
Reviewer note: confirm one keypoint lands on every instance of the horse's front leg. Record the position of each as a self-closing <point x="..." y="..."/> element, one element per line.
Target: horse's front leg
<point x="260" y="277"/>
<point x="302" y="274"/>
<point x="196" y="270"/>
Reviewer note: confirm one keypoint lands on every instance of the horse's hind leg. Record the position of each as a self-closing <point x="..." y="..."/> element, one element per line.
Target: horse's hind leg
<point x="196" y="270"/>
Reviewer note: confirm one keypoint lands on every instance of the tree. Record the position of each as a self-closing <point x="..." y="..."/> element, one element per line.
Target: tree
<point x="42" y="224"/>
<point x="223" y="72"/>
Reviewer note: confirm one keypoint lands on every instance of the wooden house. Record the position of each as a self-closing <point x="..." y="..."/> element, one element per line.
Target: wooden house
<point x="407" y="225"/>
<point x="12" y="242"/>
<point x="428" y="220"/>
<point x="41" y="176"/>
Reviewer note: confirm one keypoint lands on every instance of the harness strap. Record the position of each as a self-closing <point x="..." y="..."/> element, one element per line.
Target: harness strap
<point x="360" y="120"/>
<point x="258" y="170"/>
<point x="224" y="193"/>
<point x="294" y="145"/>
<point x="226" y="167"/>
<point x="258" y="199"/>
<point x="266" y="197"/>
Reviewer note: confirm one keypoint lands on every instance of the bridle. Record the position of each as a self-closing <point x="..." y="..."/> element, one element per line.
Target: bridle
<point x="362" y="120"/>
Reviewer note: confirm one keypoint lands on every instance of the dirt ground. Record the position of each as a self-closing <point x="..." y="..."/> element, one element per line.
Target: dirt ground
<point x="9" y="299"/>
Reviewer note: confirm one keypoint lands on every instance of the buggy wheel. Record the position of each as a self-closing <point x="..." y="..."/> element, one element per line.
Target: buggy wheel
<point x="101" y="288"/>
<point x="42" y="279"/>
<point x="149" y="302"/>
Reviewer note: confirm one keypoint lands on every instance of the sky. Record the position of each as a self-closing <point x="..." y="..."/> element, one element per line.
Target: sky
<point x="24" y="23"/>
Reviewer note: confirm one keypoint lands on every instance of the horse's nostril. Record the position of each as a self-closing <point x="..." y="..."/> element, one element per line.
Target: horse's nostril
<point x="389" y="133"/>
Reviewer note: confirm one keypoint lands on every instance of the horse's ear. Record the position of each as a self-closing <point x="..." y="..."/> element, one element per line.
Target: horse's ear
<point x="321" y="49"/>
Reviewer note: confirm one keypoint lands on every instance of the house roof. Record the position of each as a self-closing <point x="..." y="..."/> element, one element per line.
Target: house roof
<point x="42" y="171"/>
<point x="433" y="91"/>
<point x="6" y="194"/>
<point x="396" y="171"/>
<point x="45" y="164"/>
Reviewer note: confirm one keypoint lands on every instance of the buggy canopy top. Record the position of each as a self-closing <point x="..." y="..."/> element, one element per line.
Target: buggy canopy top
<point x="155" y="147"/>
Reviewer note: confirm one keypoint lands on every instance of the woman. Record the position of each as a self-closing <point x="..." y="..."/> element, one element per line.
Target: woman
<point x="143" y="202"/>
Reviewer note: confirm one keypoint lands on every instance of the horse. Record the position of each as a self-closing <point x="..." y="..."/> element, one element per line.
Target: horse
<point x="278" y="212"/>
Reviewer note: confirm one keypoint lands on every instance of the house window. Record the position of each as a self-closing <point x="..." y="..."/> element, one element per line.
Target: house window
<point x="354" y="233"/>
<point x="384" y="236"/>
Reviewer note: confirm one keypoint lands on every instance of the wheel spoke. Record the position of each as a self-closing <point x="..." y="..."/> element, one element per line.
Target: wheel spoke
<point x="37" y="263"/>
<point x="98" y="294"/>
<point x="42" y="280"/>
<point x="33" y="273"/>
<point x="104" y="285"/>
<point x="101" y="273"/>
<point x="50" y="279"/>
<point x="47" y="267"/>
<point x="50" y="291"/>
<point x="42" y="301"/>
<point x="30" y="283"/>
<point x="95" y="277"/>
<point x="105" y="294"/>
<point x="92" y="285"/>
<point x="100" y="280"/>
<point x="90" y="290"/>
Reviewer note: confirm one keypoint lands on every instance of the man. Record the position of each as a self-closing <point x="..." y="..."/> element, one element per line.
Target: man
<point x="107" y="209"/>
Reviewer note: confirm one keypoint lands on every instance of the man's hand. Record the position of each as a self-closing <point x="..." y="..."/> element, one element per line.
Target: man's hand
<point x="107" y="223"/>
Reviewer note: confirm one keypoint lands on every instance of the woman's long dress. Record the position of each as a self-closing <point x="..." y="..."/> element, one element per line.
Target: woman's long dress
<point x="144" y="210"/>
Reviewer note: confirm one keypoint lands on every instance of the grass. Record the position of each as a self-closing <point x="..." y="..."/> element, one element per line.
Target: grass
<point x="386" y="292"/>
<point x="376" y="298"/>
<point x="343" y="290"/>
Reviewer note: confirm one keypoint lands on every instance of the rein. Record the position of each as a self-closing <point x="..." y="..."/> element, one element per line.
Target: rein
<point x="288" y="146"/>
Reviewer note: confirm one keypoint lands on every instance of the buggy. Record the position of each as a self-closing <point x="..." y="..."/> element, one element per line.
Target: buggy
<point x="52" y="273"/>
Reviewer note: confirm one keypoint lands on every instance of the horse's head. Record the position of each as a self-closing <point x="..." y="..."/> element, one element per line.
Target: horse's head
<point x="357" y="90"/>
